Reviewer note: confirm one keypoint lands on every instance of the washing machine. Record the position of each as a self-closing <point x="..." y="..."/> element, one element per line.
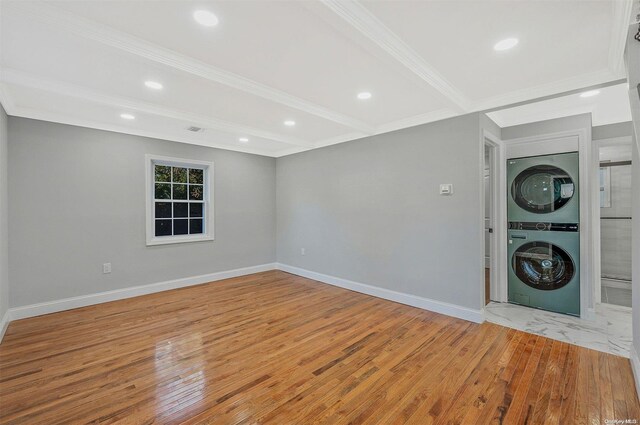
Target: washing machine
<point x="543" y="188"/>
<point x="544" y="267"/>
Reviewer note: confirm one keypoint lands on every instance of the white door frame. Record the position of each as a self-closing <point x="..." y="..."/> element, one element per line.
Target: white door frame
<point x="498" y="246"/>
<point x="595" y="228"/>
<point x="567" y="141"/>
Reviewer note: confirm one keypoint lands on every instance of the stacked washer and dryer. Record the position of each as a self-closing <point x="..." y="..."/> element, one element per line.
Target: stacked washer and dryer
<point x="543" y="211"/>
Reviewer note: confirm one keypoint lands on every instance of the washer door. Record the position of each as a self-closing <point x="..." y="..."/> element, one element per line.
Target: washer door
<point x="542" y="189"/>
<point x="543" y="265"/>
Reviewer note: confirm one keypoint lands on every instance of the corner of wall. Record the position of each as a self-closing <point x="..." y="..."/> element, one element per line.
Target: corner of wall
<point x="4" y="227"/>
<point x="489" y="125"/>
<point x="4" y="323"/>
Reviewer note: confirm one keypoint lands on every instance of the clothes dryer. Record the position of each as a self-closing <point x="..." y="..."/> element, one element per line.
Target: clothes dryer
<point x="544" y="189"/>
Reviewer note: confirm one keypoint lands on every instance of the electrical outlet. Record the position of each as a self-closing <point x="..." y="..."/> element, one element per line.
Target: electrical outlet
<point x="106" y="268"/>
<point x="446" y="189"/>
<point x="303" y="251"/>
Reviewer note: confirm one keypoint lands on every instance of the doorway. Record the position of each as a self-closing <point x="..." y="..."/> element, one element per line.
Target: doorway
<point x="489" y="218"/>
<point x="494" y="219"/>
<point x="614" y="176"/>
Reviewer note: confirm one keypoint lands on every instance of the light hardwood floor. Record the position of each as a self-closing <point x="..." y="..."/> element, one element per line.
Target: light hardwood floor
<point x="281" y="349"/>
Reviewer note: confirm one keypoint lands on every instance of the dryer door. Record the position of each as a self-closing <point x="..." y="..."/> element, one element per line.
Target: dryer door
<point x="543" y="265"/>
<point x="542" y="189"/>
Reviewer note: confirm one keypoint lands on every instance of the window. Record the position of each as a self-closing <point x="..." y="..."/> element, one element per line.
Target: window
<point x="179" y="200"/>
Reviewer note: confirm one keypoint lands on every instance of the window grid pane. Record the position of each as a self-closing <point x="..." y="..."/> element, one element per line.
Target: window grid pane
<point x="179" y="191"/>
<point x="179" y="174"/>
<point x="186" y="186"/>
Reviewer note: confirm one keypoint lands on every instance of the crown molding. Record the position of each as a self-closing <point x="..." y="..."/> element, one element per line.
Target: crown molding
<point x="69" y="22"/>
<point x="10" y="76"/>
<point x="37" y="114"/>
<point x="371" y="27"/>
<point x="622" y="10"/>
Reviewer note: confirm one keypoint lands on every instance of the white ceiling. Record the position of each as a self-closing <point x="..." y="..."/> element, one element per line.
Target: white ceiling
<point x="85" y="62"/>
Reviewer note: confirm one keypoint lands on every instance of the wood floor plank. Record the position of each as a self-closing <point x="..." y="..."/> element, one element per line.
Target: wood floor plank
<point x="280" y="349"/>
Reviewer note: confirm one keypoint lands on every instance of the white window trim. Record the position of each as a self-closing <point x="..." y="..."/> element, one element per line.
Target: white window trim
<point x="208" y="223"/>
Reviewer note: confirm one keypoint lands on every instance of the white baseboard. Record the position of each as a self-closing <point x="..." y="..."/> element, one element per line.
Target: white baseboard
<point x="55" y="306"/>
<point x="4" y="323"/>
<point x="32" y="310"/>
<point x="465" y="313"/>
<point x="635" y="366"/>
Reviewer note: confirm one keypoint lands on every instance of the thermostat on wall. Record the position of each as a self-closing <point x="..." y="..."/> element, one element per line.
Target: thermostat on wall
<point x="446" y="189"/>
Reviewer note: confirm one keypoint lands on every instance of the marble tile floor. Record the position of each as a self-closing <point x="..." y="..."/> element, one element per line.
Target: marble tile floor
<point x="609" y="332"/>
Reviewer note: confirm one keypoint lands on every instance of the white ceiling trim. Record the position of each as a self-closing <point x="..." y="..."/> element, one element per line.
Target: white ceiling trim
<point x="371" y="27"/>
<point x="11" y="76"/>
<point x="37" y="114"/>
<point x="92" y="30"/>
<point x="621" y="15"/>
<point x="574" y="83"/>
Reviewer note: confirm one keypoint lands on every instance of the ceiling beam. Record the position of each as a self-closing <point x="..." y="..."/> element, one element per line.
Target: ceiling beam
<point x="371" y="27"/>
<point x="10" y="76"/>
<point x="66" y="21"/>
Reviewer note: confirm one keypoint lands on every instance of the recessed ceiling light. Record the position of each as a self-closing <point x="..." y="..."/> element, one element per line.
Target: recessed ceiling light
<point x="127" y="116"/>
<point x="506" y="44"/>
<point x="289" y="123"/>
<point x="364" y="95"/>
<point x="243" y="139"/>
<point x="205" y="18"/>
<point x="153" y="85"/>
<point x="590" y="93"/>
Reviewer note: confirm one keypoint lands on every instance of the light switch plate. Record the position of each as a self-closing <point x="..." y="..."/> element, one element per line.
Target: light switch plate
<point x="446" y="189"/>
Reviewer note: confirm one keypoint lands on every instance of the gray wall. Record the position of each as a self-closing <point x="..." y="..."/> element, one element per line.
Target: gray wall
<point x="78" y="200"/>
<point x="4" y="215"/>
<point x="609" y="131"/>
<point x="369" y="211"/>
<point x="548" y="126"/>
